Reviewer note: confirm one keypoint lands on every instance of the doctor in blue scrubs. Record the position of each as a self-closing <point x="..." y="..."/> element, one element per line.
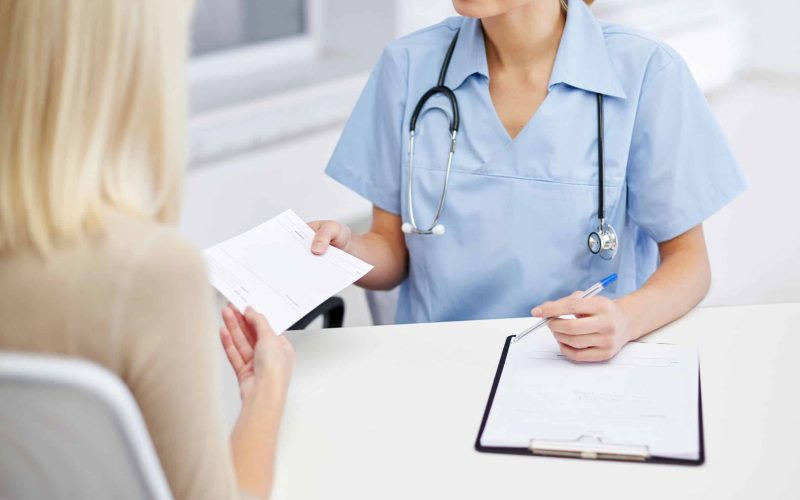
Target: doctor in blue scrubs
<point x="531" y="79"/>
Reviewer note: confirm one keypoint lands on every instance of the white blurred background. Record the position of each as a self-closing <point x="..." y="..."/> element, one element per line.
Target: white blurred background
<point x="272" y="82"/>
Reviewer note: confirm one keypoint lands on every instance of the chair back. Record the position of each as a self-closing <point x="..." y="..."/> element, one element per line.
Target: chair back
<point x="71" y="429"/>
<point x="383" y="305"/>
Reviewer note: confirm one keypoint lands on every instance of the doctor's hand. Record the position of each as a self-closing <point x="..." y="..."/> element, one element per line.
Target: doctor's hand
<point x="598" y="331"/>
<point x="329" y="232"/>
<point x="261" y="360"/>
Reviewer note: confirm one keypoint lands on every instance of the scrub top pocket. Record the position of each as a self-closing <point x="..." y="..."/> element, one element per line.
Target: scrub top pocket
<point x="509" y="243"/>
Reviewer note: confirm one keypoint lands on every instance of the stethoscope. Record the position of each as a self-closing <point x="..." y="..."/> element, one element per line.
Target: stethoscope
<point x="603" y="240"/>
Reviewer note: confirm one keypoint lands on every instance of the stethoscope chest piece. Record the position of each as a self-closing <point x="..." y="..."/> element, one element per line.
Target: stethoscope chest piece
<point x="603" y="241"/>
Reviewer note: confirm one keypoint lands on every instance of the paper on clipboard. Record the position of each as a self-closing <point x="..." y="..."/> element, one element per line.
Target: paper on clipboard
<point x="271" y="268"/>
<point x="647" y="395"/>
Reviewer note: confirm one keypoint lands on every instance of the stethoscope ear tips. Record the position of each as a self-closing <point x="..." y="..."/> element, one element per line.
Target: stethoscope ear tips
<point x="406" y="228"/>
<point x="438" y="230"/>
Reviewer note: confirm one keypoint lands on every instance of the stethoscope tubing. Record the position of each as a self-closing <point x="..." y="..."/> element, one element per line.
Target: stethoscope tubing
<point x="430" y="230"/>
<point x="604" y="236"/>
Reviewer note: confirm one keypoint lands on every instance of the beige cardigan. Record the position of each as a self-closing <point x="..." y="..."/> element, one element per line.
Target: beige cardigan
<point x="138" y="302"/>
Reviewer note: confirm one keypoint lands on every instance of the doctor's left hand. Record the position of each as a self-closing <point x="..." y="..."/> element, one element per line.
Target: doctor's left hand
<point x="598" y="331"/>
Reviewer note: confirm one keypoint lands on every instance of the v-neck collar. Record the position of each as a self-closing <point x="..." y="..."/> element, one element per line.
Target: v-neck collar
<point x="582" y="60"/>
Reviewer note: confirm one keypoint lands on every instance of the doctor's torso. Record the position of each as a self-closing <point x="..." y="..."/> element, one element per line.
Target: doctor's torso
<point x="518" y="212"/>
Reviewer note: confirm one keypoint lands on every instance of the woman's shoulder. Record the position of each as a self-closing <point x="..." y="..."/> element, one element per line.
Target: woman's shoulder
<point x="134" y="267"/>
<point x="162" y="286"/>
<point x="134" y="253"/>
<point x="637" y="49"/>
<point x="432" y="39"/>
<point x="125" y="246"/>
<point x="441" y="32"/>
<point x="150" y="249"/>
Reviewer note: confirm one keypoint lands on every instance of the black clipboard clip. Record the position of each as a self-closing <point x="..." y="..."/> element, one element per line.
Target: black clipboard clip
<point x="589" y="447"/>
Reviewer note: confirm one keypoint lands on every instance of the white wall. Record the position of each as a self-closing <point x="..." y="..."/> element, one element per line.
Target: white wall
<point x="754" y="243"/>
<point x="417" y="14"/>
<point x="224" y="198"/>
<point x="772" y="37"/>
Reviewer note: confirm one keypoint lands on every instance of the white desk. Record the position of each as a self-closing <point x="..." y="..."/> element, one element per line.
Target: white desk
<point x="393" y="412"/>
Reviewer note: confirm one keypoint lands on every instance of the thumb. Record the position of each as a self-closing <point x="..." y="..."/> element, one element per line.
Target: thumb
<point x="259" y="323"/>
<point x="324" y="234"/>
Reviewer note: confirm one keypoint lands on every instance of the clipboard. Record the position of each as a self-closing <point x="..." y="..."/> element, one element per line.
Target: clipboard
<point x="585" y="447"/>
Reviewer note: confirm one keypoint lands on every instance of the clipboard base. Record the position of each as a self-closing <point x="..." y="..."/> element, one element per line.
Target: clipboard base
<point x="589" y="447"/>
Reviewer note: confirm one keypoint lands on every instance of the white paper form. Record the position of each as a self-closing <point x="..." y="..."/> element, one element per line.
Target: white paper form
<point x="271" y="268"/>
<point x="646" y="395"/>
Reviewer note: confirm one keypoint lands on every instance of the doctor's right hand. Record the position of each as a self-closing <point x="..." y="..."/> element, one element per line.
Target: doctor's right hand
<point x="329" y="232"/>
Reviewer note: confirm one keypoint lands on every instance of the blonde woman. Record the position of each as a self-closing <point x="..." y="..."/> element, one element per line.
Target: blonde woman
<point x="91" y="158"/>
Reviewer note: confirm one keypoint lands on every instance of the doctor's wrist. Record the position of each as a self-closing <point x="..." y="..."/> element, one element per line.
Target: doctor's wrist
<point x="631" y="312"/>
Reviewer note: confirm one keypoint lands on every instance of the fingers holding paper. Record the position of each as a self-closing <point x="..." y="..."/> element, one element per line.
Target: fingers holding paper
<point x="587" y="329"/>
<point x="328" y="232"/>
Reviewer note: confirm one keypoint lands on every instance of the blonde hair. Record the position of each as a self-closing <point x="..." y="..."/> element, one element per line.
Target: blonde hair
<point x="92" y="115"/>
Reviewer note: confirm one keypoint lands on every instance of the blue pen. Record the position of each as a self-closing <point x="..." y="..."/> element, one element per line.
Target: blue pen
<point x="590" y="292"/>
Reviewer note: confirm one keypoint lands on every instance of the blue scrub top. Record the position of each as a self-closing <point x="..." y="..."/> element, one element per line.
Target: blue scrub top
<point x="518" y="212"/>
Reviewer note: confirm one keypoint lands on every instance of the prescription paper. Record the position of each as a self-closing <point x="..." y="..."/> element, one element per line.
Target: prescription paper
<point x="646" y="395"/>
<point x="271" y="268"/>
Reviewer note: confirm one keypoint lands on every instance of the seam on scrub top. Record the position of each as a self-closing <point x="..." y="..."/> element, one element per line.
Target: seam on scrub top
<point x="658" y="43"/>
<point x="506" y="176"/>
<point x="364" y="182"/>
<point x="434" y="27"/>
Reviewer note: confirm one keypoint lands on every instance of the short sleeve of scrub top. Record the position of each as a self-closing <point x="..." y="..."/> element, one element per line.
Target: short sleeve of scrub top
<point x="369" y="151"/>
<point x="680" y="168"/>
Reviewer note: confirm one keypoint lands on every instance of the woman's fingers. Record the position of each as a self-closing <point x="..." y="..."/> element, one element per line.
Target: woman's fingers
<point x="324" y="233"/>
<point x="231" y="351"/>
<point x="580" y="341"/>
<point x="238" y="337"/>
<point x="258" y="323"/>
<point x="571" y="305"/>
<point x="327" y="233"/>
<point x="248" y="332"/>
<point x="585" y="355"/>
<point x="578" y="326"/>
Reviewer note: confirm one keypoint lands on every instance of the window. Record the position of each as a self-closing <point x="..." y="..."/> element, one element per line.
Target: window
<point x="267" y="70"/>
<point x="221" y="25"/>
<point x="233" y="39"/>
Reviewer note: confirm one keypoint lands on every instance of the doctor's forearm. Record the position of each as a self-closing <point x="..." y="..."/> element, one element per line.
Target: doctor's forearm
<point x="384" y="246"/>
<point x="679" y="284"/>
<point x="390" y="262"/>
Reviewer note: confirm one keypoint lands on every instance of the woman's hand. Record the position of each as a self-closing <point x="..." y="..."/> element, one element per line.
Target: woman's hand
<point x="258" y="356"/>
<point x="600" y="328"/>
<point x="263" y="365"/>
<point x="329" y="232"/>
